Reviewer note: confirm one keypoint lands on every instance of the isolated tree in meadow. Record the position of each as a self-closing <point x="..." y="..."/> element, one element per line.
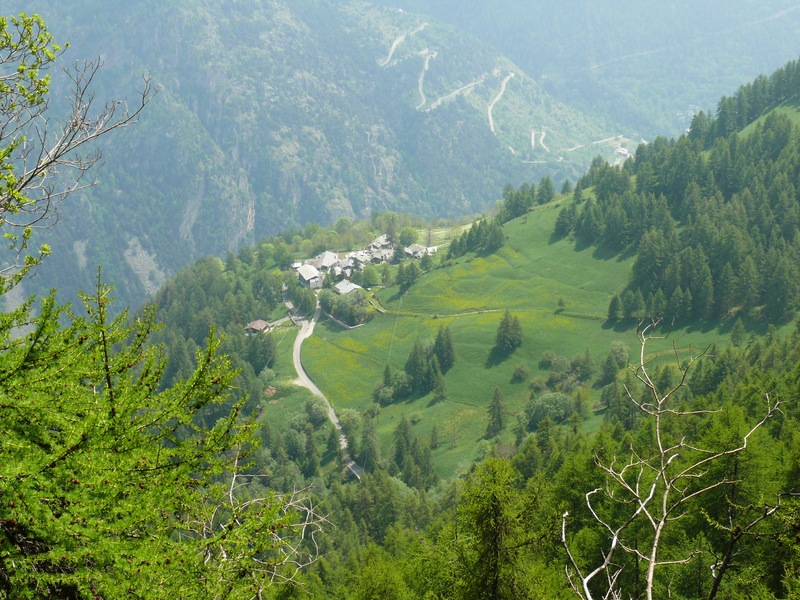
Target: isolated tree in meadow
<point x="112" y="486"/>
<point x="444" y="348"/>
<point x="509" y="333"/>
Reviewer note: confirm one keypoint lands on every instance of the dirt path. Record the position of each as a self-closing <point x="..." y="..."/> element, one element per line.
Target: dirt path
<point x="439" y="101"/>
<point x="428" y="56"/>
<point x="496" y="98"/>
<point x="400" y="39"/>
<point x="541" y="140"/>
<point x="306" y="329"/>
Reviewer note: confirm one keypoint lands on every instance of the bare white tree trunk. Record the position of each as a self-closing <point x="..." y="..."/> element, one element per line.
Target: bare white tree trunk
<point x="656" y="483"/>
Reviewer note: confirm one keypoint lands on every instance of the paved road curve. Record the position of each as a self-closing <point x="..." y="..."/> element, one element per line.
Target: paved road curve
<point x="306" y="329"/>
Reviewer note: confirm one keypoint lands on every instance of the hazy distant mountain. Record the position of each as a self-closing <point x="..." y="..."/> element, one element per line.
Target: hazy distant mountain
<point x="272" y="114"/>
<point x="648" y="65"/>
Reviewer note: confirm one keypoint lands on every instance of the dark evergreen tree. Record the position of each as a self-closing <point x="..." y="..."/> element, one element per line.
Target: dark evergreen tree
<point x="444" y="348"/>
<point x="418" y="366"/>
<point x="369" y="456"/>
<point x="493" y="237"/>
<point x="546" y="192"/>
<point x="565" y="222"/>
<point x="615" y="312"/>
<point x="495" y="411"/>
<point x="509" y="333"/>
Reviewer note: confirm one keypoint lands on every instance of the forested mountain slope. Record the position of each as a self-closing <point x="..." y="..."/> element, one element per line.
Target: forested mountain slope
<point x="714" y="216"/>
<point x="273" y="114"/>
<point x="646" y="66"/>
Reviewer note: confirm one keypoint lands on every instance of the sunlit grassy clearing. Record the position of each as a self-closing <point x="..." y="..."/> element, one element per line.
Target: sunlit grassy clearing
<point x="528" y="276"/>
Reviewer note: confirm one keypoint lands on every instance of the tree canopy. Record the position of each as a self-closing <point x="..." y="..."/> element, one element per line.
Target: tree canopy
<point x="112" y="484"/>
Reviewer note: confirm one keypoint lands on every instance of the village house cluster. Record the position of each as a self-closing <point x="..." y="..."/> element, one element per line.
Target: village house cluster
<point x="311" y="272"/>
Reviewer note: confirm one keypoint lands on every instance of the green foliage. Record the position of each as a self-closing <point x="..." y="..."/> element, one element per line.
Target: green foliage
<point x="521" y="373"/>
<point x="546" y="192"/>
<point x="91" y="446"/>
<point x="517" y="202"/>
<point x="407" y="236"/>
<point x="567" y="218"/>
<point x="616" y="359"/>
<point x="444" y="348"/>
<point x="712" y="216"/>
<point x="556" y="406"/>
<point x="495" y="411"/>
<point x="352" y="309"/>
<point x="483" y="236"/>
<point x="509" y="334"/>
<point x="407" y="274"/>
<point x="302" y="297"/>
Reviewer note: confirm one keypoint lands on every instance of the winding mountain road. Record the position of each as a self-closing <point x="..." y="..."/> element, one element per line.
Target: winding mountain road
<point x="399" y="40"/>
<point x="496" y="98"/>
<point x="427" y="55"/>
<point x="306" y="329"/>
<point x="438" y="102"/>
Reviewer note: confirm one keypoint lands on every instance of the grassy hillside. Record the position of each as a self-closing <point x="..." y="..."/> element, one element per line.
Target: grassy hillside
<point x="790" y="109"/>
<point x="528" y="276"/>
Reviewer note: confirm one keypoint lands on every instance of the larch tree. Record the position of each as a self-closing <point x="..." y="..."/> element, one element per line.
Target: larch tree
<point x="110" y="485"/>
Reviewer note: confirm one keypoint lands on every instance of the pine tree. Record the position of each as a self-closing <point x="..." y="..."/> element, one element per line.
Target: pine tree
<point x="402" y="443"/>
<point x="493" y="238"/>
<point x="495" y="414"/>
<point x="444" y="348"/>
<point x="417" y="365"/>
<point x="90" y="427"/>
<point x="434" y="437"/>
<point x="370" y="455"/>
<point x="509" y="333"/>
<point x="438" y="384"/>
<point x="333" y="445"/>
<point x="546" y="192"/>
<point x="737" y="333"/>
<point x="615" y="308"/>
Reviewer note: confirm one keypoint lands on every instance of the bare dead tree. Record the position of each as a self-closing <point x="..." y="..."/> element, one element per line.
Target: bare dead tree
<point x="271" y="537"/>
<point x="43" y="158"/>
<point x="655" y="485"/>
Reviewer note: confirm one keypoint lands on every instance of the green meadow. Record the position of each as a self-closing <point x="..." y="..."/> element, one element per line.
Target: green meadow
<point x="529" y="275"/>
<point x="289" y="398"/>
<point x="789" y="108"/>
